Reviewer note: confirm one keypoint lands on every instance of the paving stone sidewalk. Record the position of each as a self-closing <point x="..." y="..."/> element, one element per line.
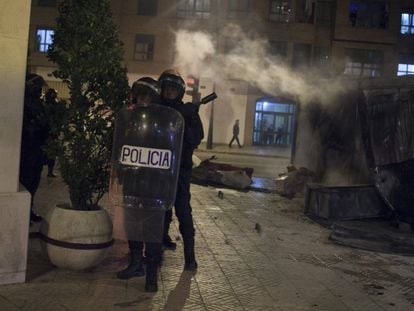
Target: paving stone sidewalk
<point x="256" y="251"/>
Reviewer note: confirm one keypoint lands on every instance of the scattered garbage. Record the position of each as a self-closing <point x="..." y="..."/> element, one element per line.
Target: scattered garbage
<point x="387" y="129"/>
<point x="220" y="195"/>
<point x="223" y="174"/>
<point x="293" y="183"/>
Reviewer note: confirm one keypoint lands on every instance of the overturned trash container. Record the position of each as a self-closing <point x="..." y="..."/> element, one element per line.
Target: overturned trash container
<point x="386" y="117"/>
<point x="144" y="172"/>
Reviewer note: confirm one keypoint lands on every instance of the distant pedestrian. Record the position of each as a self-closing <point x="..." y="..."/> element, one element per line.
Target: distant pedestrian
<point x="279" y="133"/>
<point x="236" y="131"/>
<point x="269" y="135"/>
<point x="263" y="132"/>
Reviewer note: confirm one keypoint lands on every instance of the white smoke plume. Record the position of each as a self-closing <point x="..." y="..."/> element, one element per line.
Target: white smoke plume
<point x="249" y="60"/>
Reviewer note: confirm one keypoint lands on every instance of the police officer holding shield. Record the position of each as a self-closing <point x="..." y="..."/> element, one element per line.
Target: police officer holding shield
<point x="146" y="153"/>
<point x="172" y="92"/>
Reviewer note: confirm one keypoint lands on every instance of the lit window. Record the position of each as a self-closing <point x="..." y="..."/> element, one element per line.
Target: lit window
<point x="44" y="38"/>
<point x="144" y="47"/>
<point x="194" y="9"/>
<point x="279" y="11"/>
<point x="238" y="8"/>
<point x="363" y="63"/>
<point x="405" y="65"/>
<point x="407" y="23"/>
<point x="405" y="69"/>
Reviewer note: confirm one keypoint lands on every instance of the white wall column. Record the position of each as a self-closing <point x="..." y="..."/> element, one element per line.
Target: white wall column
<point x="14" y="202"/>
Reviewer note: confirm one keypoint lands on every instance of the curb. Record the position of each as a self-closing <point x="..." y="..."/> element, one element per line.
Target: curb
<point x="242" y="153"/>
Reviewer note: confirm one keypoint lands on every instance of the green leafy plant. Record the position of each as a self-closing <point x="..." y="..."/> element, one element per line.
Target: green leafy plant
<point x="88" y="53"/>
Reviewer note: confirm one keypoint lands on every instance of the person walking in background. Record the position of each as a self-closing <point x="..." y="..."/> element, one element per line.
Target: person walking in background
<point x="236" y="131"/>
<point x="263" y="132"/>
<point x="269" y="135"/>
<point x="172" y="92"/>
<point x="34" y="135"/>
<point x="279" y="133"/>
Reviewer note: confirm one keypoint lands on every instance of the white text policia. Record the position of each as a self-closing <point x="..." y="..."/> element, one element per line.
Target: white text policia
<point x="146" y="157"/>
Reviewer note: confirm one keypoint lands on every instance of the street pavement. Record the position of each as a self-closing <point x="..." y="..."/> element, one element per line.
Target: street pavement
<point x="255" y="250"/>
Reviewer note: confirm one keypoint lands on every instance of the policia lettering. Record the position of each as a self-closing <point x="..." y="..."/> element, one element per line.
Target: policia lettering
<point x="146" y="157"/>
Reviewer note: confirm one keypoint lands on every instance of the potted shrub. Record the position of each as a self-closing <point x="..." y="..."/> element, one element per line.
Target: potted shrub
<point x="88" y="54"/>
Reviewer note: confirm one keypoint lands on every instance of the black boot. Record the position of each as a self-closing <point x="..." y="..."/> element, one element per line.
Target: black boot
<point x="151" y="277"/>
<point x="189" y="255"/>
<point x="167" y="243"/>
<point x="135" y="267"/>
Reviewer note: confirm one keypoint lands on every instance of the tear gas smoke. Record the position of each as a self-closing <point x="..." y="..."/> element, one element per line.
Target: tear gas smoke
<point x="250" y="61"/>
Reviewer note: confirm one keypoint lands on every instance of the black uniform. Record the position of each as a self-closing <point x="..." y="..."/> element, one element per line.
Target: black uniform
<point x="193" y="134"/>
<point x="34" y="135"/>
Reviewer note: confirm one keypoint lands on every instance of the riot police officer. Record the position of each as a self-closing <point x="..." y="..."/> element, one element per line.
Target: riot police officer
<point x="172" y="92"/>
<point x="144" y="92"/>
<point x="34" y="135"/>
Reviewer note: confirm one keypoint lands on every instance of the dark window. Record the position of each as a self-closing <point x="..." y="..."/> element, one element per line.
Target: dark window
<point x="324" y="12"/>
<point x="193" y="9"/>
<point x="144" y="47"/>
<point x="407" y="23"/>
<point x="51" y="3"/>
<point x="321" y="57"/>
<point x="44" y="38"/>
<point x="147" y="7"/>
<point x="238" y="8"/>
<point x="306" y="11"/>
<point x="301" y="55"/>
<point x="406" y="65"/>
<point x="369" y="14"/>
<point x="363" y="63"/>
<point x="278" y="48"/>
<point x="279" y="10"/>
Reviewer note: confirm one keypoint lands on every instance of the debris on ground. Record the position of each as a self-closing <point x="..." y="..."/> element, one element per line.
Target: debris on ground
<point x="224" y="174"/>
<point x="293" y="183"/>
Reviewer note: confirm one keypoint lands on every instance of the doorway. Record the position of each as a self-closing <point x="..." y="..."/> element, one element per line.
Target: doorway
<point x="274" y="122"/>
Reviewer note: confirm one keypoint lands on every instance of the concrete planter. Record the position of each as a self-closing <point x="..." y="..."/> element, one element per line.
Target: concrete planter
<point x="76" y="240"/>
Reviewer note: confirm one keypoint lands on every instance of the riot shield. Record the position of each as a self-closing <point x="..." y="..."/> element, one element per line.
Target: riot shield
<point x="144" y="172"/>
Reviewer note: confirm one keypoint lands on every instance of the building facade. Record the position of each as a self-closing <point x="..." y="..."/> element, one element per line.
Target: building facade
<point x="351" y="39"/>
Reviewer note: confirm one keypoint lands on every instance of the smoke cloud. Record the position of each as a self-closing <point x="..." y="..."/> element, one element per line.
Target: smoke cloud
<point x="248" y="59"/>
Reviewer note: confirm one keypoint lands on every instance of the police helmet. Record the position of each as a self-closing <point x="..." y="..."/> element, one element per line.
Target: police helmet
<point x="145" y="87"/>
<point x="172" y="77"/>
